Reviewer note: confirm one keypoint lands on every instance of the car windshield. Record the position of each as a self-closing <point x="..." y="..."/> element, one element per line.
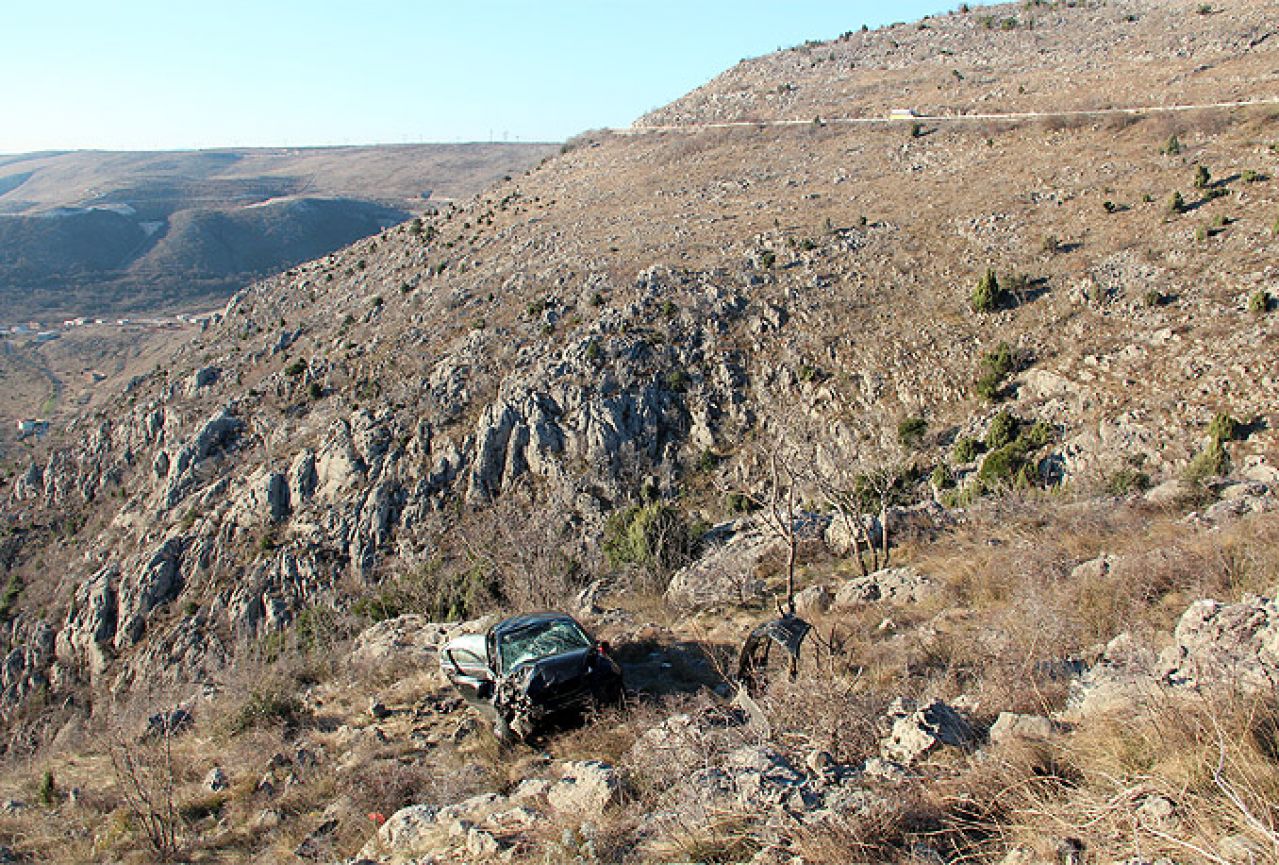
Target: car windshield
<point x="540" y="639"/>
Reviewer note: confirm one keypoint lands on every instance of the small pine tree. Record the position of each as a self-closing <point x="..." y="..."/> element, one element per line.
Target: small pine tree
<point x="1002" y="430"/>
<point x="965" y="450"/>
<point x="911" y="430"/>
<point x="1202" y="177"/>
<point x="1173" y="146"/>
<point x="1176" y="204"/>
<point x="48" y="792"/>
<point x="1223" y="428"/>
<point x="987" y="296"/>
<point x="1259" y="302"/>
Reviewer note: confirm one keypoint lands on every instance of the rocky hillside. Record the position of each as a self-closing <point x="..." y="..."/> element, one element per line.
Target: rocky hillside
<point x="983" y="341"/>
<point x="92" y="233"/>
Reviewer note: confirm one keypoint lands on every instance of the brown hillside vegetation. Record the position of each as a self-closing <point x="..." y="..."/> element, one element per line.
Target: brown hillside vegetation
<point x="997" y="396"/>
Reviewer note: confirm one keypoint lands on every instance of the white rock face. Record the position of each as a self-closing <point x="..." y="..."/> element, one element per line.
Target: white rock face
<point x="585" y="789"/>
<point x="407" y="832"/>
<point x="1216" y="643"/>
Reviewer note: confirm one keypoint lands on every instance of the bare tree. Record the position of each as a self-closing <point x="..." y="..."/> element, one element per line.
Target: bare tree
<point x="775" y="502"/>
<point x="857" y="478"/>
<point x="520" y="539"/>
<point x="146" y="776"/>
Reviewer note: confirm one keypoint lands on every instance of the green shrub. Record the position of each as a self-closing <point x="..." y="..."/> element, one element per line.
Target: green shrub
<point x="1223" y="428"/>
<point x="676" y="380"/>
<point x="768" y="259"/>
<point x="655" y="537"/>
<point x="268" y="708"/>
<point x="965" y="450"/>
<point x="940" y="478"/>
<point x="1251" y="175"/>
<point x="996" y="366"/>
<point x="1203" y="177"/>
<point x="1037" y="435"/>
<point x="296" y="368"/>
<point x="988" y="386"/>
<point x="1259" y="302"/>
<point x="315" y="390"/>
<point x="1125" y="481"/>
<point x="1172" y="146"/>
<point x="1002" y="430"/>
<point x="1154" y="297"/>
<point x="1000" y="465"/>
<point x="1176" y="204"/>
<point x="438" y="592"/>
<point x="988" y="295"/>
<point x="911" y="430"/>
<point x="962" y="497"/>
<point x="807" y="372"/>
<point x="9" y="599"/>
<point x="48" y="792"/>
<point x="1212" y="461"/>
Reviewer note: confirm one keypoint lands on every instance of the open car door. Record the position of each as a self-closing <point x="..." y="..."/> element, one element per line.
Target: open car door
<point x="465" y="662"/>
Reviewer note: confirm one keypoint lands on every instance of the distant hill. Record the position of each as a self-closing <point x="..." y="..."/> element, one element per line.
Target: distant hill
<point x="90" y="232"/>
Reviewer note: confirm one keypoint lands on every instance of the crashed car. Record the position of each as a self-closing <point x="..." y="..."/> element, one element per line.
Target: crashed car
<point x="528" y="669"/>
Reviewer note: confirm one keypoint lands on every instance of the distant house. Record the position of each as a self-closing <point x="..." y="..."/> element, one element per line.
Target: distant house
<point x="47" y="336"/>
<point x="902" y="114"/>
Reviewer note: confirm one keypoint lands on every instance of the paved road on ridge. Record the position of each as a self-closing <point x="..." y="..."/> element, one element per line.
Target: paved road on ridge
<point x="945" y="118"/>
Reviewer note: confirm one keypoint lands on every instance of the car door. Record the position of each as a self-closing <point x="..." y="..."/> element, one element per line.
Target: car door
<point x="470" y="673"/>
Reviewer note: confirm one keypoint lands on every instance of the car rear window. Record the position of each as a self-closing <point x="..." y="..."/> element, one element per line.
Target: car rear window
<point x="538" y="640"/>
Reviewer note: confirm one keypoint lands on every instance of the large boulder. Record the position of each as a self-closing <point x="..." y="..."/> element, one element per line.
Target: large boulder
<point x="1217" y="643"/>
<point x="411" y="640"/>
<point x="1010" y="728"/>
<point x="891" y="585"/>
<point x="726" y="574"/>
<point x="920" y="733"/>
<point x="585" y="789"/>
<point x="1123" y="677"/>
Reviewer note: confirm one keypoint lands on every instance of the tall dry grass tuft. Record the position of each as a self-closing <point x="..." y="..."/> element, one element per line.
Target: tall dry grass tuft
<point x="820" y="711"/>
<point x="1187" y="776"/>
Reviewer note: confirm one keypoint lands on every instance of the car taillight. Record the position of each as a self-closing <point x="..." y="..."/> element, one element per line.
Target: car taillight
<point x="603" y="647"/>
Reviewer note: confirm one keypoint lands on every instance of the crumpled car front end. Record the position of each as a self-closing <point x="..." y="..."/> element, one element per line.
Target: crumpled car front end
<point x="562" y="684"/>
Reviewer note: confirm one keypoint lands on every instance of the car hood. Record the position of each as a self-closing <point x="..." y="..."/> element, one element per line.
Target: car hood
<point x="554" y="671"/>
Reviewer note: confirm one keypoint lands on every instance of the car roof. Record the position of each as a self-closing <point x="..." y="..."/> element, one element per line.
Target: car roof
<point x="514" y="623"/>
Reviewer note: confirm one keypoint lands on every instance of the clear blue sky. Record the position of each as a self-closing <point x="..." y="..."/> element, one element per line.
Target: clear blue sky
<point x="158" y="74"/>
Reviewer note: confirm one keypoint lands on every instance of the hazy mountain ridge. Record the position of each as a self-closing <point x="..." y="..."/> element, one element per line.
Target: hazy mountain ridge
<point x="87" y="232"/>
